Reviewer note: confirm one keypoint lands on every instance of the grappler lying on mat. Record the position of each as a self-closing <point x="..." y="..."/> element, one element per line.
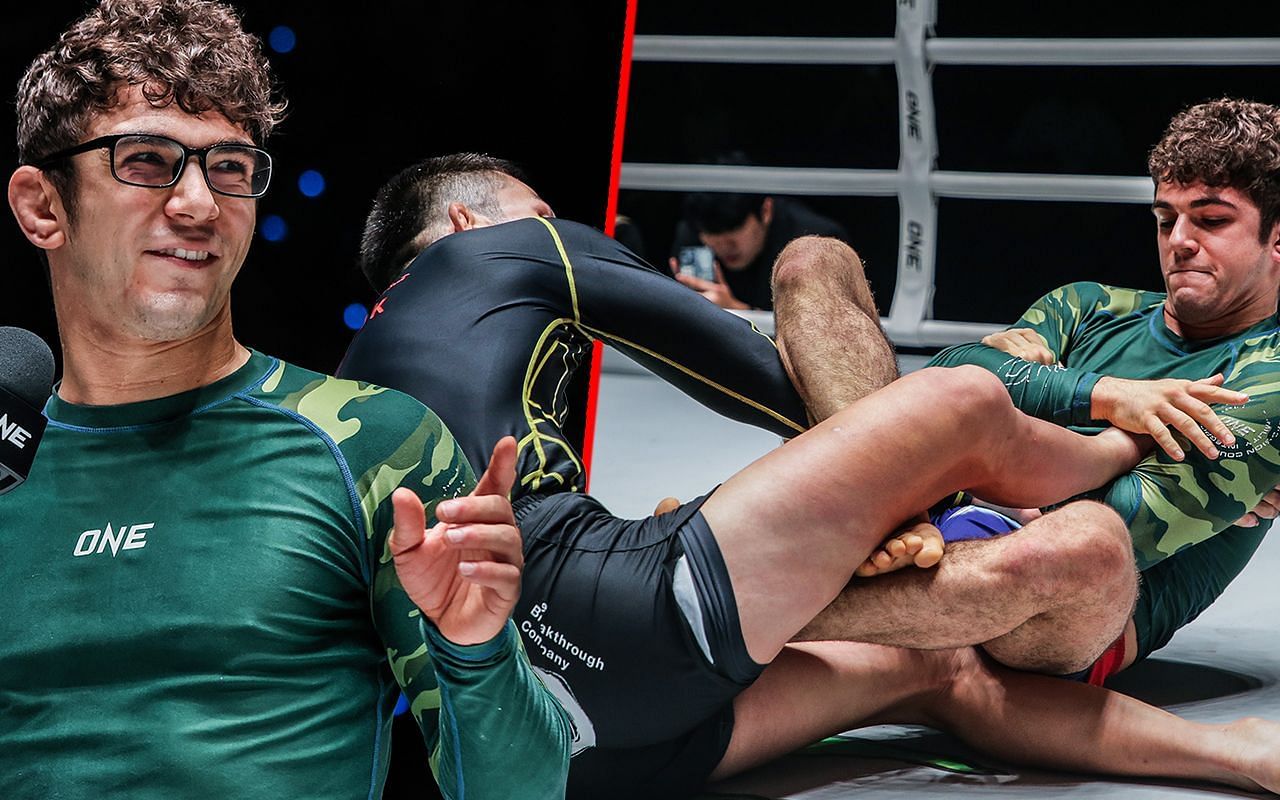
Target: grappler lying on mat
<point x="666" y="638"/>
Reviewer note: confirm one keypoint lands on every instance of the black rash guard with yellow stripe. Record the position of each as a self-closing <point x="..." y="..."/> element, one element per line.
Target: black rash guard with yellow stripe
<point x="492" y="323"/>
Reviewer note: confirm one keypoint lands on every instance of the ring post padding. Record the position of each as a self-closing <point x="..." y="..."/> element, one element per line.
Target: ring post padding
<point x="918" y="210"/>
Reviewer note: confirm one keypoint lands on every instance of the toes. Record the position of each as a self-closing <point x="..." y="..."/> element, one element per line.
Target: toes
<point x="866" y="569"/>
<point x="930" y="553"/>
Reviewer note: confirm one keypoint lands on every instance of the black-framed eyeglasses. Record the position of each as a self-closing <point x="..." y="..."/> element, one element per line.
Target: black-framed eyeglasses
<point x="157" y="162"/>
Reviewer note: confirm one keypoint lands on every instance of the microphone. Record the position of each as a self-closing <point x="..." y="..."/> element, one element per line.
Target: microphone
<point x="26" y="381"/>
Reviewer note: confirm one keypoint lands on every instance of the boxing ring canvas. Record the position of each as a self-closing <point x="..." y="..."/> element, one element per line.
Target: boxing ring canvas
<point x="652" y="441"/>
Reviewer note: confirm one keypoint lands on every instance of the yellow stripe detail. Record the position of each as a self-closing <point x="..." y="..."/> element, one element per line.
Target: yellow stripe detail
<point x="600" y="334"/>
<point x="568" y="268"/>
<point x="726" y="390"/>
<point x="536" y="437"/>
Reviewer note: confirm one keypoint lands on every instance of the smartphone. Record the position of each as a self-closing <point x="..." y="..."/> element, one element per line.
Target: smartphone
<point x="698" y="262"/>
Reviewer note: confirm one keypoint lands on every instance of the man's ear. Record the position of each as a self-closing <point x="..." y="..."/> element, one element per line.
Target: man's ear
<point x="38" y="208"/>
<point x="461" y="217"/>
<point x="766" y="211"/>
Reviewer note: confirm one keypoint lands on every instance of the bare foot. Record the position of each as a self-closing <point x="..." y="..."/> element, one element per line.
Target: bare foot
<point x="918" y="545"/>
<point x="665" y="506"/>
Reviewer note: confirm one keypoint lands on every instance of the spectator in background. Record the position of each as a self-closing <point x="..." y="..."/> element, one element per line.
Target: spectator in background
<point x="628" y="234"/>
<point x="746" y="232"/>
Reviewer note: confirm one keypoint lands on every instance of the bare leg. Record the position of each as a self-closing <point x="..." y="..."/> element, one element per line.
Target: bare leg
<point x="1059" y="724"/>
<point x="822" y="688"/>
<point x="832" y="345"/>
<point x="828" y="328"/>
<point x="1049" y="597"/>
<point x="793" y="526"/>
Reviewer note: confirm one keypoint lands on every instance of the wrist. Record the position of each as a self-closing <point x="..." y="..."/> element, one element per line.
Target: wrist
<point x="478" y="652"/>
<point x="1101" y="398"/>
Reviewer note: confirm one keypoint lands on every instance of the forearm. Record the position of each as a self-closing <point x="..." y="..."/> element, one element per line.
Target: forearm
<point x="502" y="734"/>
<point x="1061" y="395"/>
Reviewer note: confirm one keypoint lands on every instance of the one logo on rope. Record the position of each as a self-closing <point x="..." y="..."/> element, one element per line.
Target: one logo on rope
<point x="915" y="240"/>
<point x="913" y="115"/>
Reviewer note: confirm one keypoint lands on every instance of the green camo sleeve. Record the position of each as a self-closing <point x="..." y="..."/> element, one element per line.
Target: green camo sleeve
<point x="494" y="730"/>
<point x="1062" y="395"/>
<point x="1172" y="505"/>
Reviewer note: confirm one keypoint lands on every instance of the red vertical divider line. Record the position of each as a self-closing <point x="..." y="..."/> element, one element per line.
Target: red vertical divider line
<point x="610" y="222"/>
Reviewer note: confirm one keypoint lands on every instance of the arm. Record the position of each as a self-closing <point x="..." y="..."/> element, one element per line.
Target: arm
<point x="1170" y="505"/>
<point x="494" y="730"/>
<point x="1029" y="358"/>
<point x="1049" y="391"/>
<point x="717" y="358"/>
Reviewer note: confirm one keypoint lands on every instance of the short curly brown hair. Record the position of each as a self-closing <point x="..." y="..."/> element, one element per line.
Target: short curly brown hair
<point x="191" y="52"/>
<point x="1225" y="142"/>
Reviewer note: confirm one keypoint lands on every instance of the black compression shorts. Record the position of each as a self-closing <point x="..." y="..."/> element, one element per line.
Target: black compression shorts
<point x="633" y="626"/>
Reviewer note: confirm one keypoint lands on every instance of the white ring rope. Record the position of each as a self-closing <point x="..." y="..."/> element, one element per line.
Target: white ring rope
<point x="885" y="183"/>
<point x="971" y="51"/>
<point x="916" y="182"/>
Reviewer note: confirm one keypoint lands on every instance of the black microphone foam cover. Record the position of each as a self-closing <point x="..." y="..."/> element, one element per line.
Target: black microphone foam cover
<point x="26" y="366"/>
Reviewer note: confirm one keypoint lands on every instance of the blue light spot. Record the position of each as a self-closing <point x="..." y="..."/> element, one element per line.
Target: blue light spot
<point x="273" y="228"/>
<point x="402" y="705"/>
<point x="282" y="39"/>
<point x="311" y="183"/>
<point x="353" y="316"/>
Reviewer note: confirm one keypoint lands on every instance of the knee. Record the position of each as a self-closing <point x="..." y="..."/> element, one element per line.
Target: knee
<point x="972" y="392"/>
<point x="811" y="259"/>
<point x="1083" y="546"/>
<point x="1098" y="532"/>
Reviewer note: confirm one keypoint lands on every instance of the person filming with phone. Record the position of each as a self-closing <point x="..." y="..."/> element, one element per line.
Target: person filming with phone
<point x="739" y="236"/>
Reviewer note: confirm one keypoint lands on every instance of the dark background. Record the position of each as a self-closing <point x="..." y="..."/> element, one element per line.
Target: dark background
<point x="371" y="91"/>
<point x="994" y="258"/>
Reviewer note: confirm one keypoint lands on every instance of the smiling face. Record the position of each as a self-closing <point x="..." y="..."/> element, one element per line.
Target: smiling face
<point x="144" y="263"/>
<point x="1220" y="277"/>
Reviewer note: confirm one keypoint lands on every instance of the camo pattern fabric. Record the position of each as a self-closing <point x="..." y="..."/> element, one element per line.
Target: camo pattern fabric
<point x="205" y="578"/>
<point x="473" y="743"/>
<point x="1097" y="330"/>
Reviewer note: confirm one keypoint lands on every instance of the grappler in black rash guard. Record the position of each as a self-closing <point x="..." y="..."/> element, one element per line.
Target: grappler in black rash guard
<point x="656" y="633"/>
<point x="502" y="316"/>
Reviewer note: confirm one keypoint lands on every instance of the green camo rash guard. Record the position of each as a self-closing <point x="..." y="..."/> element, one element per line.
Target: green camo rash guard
<point x="197" y="601"/>
<point x="1179" y="514"/>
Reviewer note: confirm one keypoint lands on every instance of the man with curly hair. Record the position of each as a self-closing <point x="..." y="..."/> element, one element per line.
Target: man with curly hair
<point x="1087" y="355"/>
<point x="225" y="572"/>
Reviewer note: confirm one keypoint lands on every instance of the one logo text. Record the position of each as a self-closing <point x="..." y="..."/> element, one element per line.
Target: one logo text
<point x="124" y="537"/>
<point x="13" y="432"/>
